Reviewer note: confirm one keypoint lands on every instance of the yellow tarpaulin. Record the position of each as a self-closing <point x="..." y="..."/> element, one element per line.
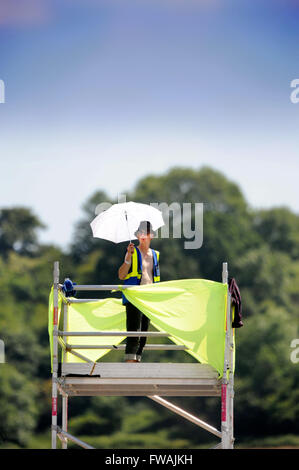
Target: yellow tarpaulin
<point x="101" y="315"/>
<point x="192" y="311"/>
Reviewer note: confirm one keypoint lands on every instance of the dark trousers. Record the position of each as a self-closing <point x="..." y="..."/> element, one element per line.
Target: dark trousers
<point x="136" y="321"/>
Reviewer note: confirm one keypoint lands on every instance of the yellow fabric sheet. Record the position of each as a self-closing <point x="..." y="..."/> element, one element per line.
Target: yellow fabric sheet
<point x="192" y="311"/>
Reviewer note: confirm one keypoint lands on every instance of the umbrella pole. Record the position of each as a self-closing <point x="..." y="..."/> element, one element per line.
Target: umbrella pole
<point x="126" y="216"/>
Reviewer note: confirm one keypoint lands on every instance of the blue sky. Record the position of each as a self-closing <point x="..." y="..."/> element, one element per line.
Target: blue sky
<point x="101" y="93"/>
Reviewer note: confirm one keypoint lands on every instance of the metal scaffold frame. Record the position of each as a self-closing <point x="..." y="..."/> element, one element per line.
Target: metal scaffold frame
<point x="136" y="379"/>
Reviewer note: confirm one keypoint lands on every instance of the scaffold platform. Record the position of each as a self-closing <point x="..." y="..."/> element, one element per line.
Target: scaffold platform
<point x="152" y="380"/>
<point x="143" y="379"/>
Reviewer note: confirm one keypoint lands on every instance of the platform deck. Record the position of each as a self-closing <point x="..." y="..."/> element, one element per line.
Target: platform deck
<point x="139" y="379"/>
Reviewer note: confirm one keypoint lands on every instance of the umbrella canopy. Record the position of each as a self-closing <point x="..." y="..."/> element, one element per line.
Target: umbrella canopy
<point x="120" y="222"/>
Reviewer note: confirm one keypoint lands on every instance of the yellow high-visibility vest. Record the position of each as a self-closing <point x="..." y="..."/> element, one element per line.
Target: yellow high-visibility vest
<point x="134" y="275"/>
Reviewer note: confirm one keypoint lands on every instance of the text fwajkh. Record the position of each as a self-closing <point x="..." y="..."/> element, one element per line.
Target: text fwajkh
<point x="152" y="459"/>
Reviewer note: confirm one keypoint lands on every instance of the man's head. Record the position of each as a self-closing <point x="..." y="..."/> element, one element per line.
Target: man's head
<point x="144" y="230"/>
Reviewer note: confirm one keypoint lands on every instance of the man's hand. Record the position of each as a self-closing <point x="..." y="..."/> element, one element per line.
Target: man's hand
<point x="130" y="251"/>
<point x="124" y="269"/>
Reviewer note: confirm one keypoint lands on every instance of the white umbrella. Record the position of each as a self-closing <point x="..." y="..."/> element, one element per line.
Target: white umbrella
<point x="120" y="222"/>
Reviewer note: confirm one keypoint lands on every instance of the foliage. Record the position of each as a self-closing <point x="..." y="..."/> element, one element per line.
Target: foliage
<point x="18" y="412"/>
<point x="18" y="231"/>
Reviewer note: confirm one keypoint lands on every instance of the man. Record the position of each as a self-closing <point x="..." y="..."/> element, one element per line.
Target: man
<point x="141" y="266"/>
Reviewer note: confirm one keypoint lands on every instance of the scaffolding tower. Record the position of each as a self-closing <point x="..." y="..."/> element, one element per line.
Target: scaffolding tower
<point x="152" y="380"/>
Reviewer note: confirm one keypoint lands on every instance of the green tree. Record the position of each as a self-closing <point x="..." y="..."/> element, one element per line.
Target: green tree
<point x="267" y="382"/>
<point x="279" y="228"/>
<point x="18" y="411"/>
<point x="267" y="278"/>
<point x="83" y="243"/>
<point x="18" y="231"/>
